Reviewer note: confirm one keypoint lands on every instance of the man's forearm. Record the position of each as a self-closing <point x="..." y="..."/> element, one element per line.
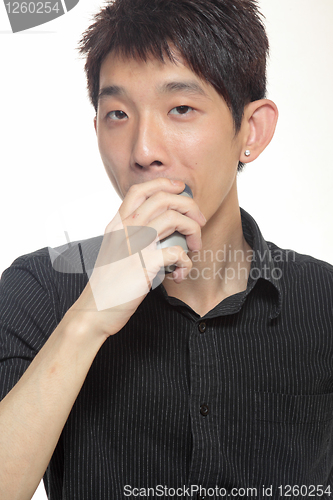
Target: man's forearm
<point x="34" y="412"/>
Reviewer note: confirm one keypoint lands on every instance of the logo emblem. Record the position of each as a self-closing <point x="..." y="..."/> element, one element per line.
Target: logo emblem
<point x="123" y="265"/>
<point x="23" y="15"/>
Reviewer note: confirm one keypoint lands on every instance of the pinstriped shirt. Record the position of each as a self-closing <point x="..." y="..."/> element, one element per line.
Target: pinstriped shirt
<point x="239" y="398"/>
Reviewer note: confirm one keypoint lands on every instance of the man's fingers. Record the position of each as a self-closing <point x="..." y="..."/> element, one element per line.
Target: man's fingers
<point x="171" y="221"/>
<point x="178" y="257"/>
<point x="139" y="193"/>
<point x="160" y="202"/>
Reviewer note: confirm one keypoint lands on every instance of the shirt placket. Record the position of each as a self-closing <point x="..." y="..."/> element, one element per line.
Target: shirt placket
<point x="204" y="394"/>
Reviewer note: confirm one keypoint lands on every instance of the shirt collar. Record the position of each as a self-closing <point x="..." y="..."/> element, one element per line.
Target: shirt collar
<point x="263" y="265"/>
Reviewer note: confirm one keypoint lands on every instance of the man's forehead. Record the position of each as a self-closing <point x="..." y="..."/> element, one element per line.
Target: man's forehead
<point x="170" y="77"/>
<point x="174" y="56"/>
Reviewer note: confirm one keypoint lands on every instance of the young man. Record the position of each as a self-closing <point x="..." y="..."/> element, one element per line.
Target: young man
<point x="217" y="382"/>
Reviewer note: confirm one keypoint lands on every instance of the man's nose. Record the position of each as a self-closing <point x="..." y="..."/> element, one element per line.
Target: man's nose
<point x="149" y="144"/>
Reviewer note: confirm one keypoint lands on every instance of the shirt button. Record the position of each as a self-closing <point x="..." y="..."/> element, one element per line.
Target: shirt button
<point x="202" y="327"/>
<point x="204" y="410"/>
<point x="200" y="497"/>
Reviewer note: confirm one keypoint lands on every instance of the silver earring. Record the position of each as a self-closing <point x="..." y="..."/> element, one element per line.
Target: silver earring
<point x="247" y="152"/>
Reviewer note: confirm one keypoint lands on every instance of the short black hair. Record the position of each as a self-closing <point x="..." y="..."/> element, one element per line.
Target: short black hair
<point x="223" y="41"/>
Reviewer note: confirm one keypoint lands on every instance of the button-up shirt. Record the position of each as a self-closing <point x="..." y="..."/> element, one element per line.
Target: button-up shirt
<point x="238" y="402"/>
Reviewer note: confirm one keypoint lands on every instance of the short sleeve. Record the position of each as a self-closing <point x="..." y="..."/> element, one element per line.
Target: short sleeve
<point x="28" y="316"/>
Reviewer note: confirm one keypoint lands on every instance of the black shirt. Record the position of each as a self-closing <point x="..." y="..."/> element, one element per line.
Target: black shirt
<point x="239" y="398"/>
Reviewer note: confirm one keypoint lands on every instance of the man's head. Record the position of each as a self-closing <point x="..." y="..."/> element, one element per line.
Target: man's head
<point x="222" y="41"/>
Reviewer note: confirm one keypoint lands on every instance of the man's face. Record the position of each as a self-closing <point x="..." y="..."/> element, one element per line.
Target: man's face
<point x="161" y="120"/>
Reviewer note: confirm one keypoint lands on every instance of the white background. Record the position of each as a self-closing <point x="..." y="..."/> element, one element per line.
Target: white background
<point x="49" y="158"/>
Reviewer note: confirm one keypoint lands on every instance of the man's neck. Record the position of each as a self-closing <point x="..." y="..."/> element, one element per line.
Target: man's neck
<point x="220" y="269"/>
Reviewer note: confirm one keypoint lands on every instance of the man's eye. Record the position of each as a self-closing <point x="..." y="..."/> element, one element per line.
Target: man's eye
<point x="117" y="115"/>
<point x="181" y="110"/>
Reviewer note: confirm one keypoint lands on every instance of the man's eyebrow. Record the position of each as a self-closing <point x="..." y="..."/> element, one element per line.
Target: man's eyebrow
<point x="111" y="90"/>
<point x="188" y="87"/>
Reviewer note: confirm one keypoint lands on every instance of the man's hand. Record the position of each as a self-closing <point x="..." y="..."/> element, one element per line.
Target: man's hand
<point x="116" y="287"/>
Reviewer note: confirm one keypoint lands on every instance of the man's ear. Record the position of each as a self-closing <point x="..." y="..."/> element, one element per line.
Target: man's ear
<point x="95" y="123"/>
<point x="259" y="122"/>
